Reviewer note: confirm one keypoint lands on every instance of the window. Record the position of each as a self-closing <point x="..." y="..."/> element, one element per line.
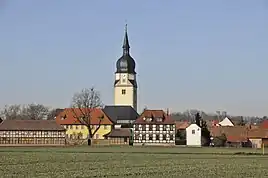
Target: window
<point x="193" y="131"/>
<point x="159" y="119"/>
<point x="164" y="137"/>
<point x="171" y="137"/>
<point x="148" y="119"/>
<point x="157" y="137"/>
<point x="150" y="137"/>
<point x="123" y="92"/>
<point x="77" y="127"/>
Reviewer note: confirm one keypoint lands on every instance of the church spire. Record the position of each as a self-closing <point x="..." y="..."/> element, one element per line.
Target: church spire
<point x="126" y="43"/>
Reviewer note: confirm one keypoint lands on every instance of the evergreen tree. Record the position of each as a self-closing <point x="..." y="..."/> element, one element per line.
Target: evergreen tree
<point x="204" y="130"/>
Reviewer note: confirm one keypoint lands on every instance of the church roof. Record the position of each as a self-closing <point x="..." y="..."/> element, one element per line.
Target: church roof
<point x="120" y="113"/>
<point x="125" y="64"/>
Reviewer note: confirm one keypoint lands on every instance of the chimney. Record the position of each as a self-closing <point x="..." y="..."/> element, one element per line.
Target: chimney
<point x="167" y="111"/>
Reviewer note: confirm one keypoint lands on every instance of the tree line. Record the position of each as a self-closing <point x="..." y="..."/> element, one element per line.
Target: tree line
<point x="28" y="112"/>
<point x="189" y="115"/>
<point x="86" y="98"/>
<point x="39" y="111"/>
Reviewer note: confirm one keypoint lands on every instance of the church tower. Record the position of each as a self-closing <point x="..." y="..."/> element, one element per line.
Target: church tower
<point x="125" y="85"/>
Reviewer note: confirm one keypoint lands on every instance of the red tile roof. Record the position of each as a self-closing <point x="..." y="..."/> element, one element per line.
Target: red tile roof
<point x="166" y="119"/>
<point x="264" y="124"/>
<point x="235" y="139"/>
<point x="258" y="133"/>
<point x="71" y="114"/>
<point x="233" y="133"/>
<point x="182" y="124"/>
<point x="239" y="133"/>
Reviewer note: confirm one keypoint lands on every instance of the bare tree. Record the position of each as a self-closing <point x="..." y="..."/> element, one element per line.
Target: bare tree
<point x="30" y="111"/>
<point x="224" y="114"/>
<point x="85" y="102"/>
<point x="11" y="112"/>
<point x="35" y="112"/>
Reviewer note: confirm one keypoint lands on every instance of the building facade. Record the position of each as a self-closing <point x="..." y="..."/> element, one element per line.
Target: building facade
<point x="154" y="127"/>
<point x="193" y="135"/>
<point x="226" y="122"/>
<point x="121" y="136"/>
<point x="125" y="84"/>
<point x="31" y="133"/>
<point x="75" y="130"/>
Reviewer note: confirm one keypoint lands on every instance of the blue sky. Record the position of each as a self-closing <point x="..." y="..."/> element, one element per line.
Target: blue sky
<point x="209" y="55"/>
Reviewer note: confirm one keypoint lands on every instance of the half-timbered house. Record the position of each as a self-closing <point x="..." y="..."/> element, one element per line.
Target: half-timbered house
<point x="154" y="127"/>
<point x="31" y="132"/>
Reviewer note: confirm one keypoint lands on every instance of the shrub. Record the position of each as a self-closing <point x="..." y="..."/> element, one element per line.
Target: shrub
<point x="219" y="141"/>
<point x="180" y="142"/>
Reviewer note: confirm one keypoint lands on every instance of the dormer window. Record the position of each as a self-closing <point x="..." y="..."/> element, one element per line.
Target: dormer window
<point x="64" y="117"/>
<point x="159" y="119"/>
<point x="148" y="119"/>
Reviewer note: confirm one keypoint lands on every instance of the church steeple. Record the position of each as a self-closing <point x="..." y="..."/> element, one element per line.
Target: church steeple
<point x="125" y="84"/>
<point x="126" y="43"/>
<point x="125" y="64"/>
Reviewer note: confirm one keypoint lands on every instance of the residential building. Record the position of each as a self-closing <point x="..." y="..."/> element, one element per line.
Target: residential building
<point x="75" y="130"/>
<point x="125" y="84"/>
<point x="237" y="136"/>
<point x="154" y="127"/>
<point x="226" y="122"/>
<point x="31" y="133"/>
<point x="258" y="137"/>
<point x="193" y="135"/>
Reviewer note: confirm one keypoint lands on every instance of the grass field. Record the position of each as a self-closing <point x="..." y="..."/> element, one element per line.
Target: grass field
<point x="149" y="162"/>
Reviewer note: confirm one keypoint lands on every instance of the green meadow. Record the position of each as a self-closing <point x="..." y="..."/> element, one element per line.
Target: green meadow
<point x="149" y="162"/>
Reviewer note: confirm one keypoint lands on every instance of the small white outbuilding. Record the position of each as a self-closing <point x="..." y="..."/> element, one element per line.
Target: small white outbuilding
<point x="193" y="135"/>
